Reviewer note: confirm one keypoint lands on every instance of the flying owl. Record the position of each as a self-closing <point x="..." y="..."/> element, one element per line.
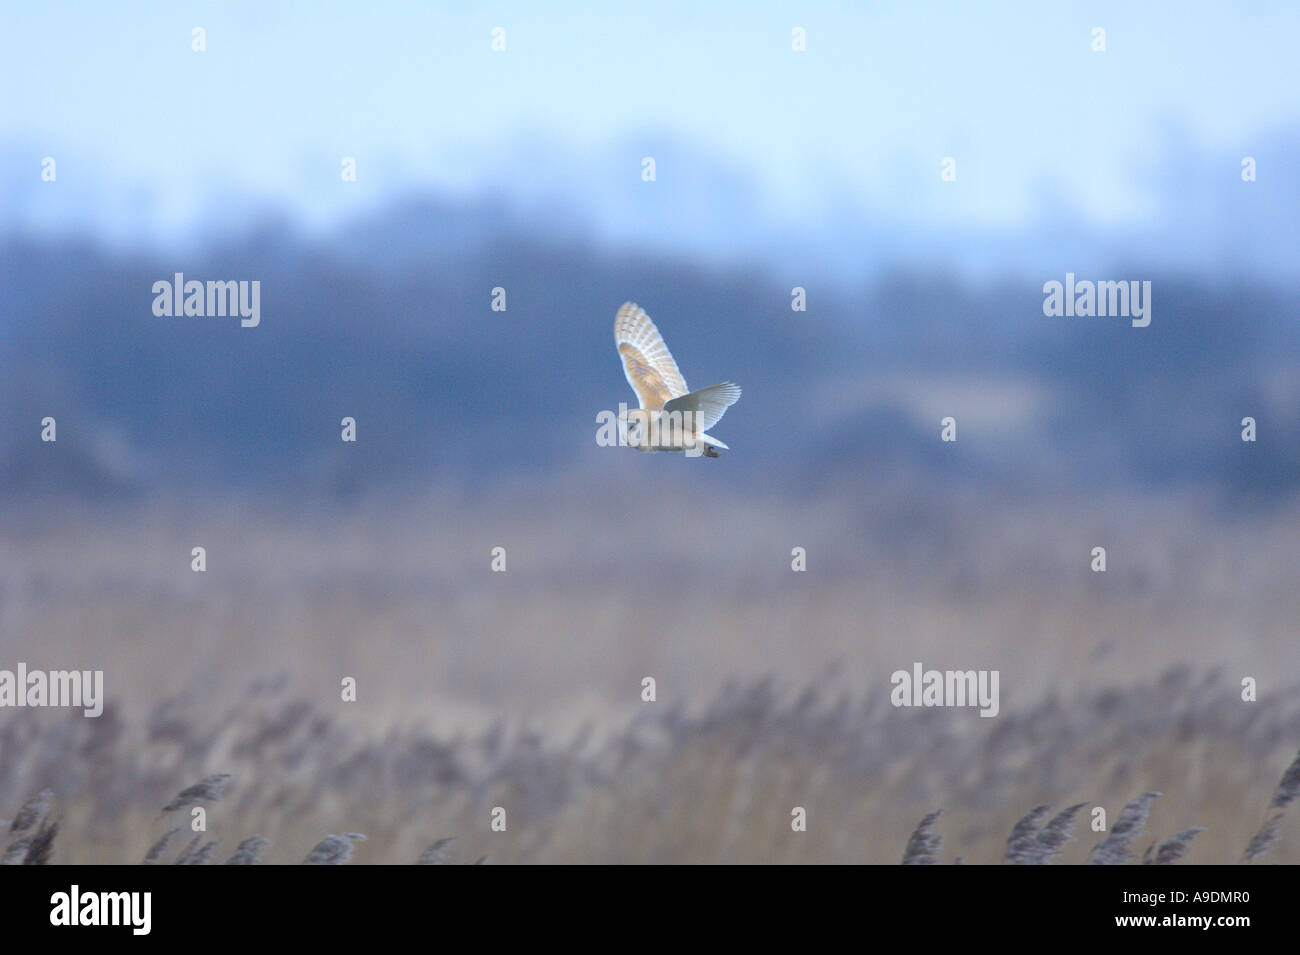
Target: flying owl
<point x="671" y="417"/>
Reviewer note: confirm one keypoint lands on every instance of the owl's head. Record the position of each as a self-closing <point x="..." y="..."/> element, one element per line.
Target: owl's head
<point x="635" y="425"/>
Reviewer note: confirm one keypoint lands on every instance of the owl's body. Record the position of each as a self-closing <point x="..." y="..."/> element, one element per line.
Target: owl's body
<point x="670" y="417"/>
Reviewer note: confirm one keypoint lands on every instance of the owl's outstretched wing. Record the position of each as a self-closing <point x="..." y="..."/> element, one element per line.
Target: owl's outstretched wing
<point x="647" y="363"/>
<point x="707" y="405"/>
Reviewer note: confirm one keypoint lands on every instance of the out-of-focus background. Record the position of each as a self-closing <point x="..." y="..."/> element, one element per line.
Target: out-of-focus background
<point x="508" y="149"/>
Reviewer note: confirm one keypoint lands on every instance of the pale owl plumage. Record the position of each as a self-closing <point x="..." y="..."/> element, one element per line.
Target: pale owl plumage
<point x="671" y="417"/>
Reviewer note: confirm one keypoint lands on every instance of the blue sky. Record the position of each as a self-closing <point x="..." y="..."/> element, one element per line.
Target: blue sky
<point x="154" y="136"/>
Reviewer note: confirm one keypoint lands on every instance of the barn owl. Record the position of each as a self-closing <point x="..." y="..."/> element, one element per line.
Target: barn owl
<point x="671" y="418"/>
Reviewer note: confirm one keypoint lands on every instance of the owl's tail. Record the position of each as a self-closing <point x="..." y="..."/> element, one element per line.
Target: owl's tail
<point x="710" y="445"/>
